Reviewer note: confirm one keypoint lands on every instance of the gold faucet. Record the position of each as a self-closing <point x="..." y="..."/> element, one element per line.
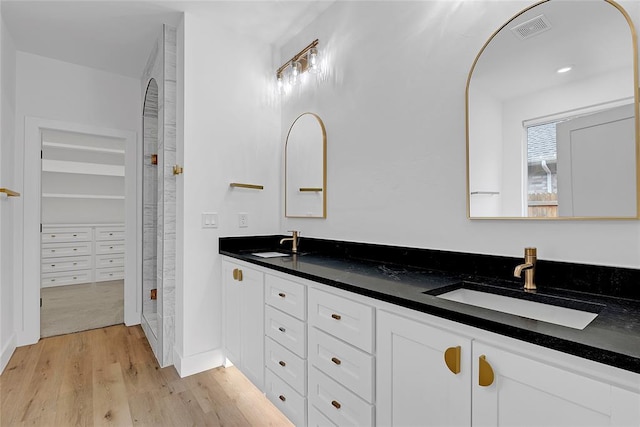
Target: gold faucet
<point x="529" y="267"/>
<point x="294" y="240"/>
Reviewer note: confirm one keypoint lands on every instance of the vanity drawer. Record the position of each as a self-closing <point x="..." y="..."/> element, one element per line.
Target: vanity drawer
<point x="291" y="368"/>
<point x="110" y="247"/>
<point x="336" y="402"/>
<point x="115" y="260"/>
<point x="110" y="233"/>
<point x="353" y="368"/>
<point x="66" y="264"/>
<point x="50" y="235"/>
<point x="65" y="278"/>
<point x="285" y="330"/>
<point x="346" y="319"/>
<point x="286" y="295"/>
<point x="318" y="419"/>
<point x="50" y="250"/>
<point x="285" y="398"/>
<point x="112" y="273"/>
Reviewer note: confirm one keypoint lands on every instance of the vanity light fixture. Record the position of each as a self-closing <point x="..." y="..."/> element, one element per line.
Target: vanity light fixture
<point x="305" y="60"/>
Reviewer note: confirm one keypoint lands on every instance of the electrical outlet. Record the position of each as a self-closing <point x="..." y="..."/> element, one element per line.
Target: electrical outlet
<point x="243" y="220"/>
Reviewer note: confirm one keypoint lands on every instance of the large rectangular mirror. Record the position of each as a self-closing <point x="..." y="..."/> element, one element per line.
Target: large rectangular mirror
<point x="552" y="115"/>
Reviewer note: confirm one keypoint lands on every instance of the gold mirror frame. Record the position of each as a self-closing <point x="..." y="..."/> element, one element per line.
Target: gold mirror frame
<point x="636" y="95"/>
<point x="324" y="169"/>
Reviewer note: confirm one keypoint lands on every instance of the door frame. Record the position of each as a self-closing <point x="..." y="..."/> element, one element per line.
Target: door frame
<point x="28" y="301"/>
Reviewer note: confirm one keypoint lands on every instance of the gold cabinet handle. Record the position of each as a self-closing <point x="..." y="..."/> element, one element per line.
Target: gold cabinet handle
<point x="281" y="397"/>
<point x="282" y="363"/>
<point x="336" y="360"/>
<point x="452" y="359"/>
<point x="235" y="274"/>
<point x="485" y="374"/>
<point x="239" y="275"/>
<point x="281" y="329"/>
<point x="336" y="404"/>
<point x="336" y="316"/>
<point x="282" y="295"/>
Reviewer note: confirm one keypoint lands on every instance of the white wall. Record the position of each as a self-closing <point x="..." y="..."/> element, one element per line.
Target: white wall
<point x="58" y="91"/>
<point x="7" y="169"/>
<point x="394" y="107"/>
<point x="231" y="134"/>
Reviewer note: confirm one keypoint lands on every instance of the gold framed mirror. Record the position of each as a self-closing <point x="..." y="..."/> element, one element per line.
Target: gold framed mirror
<point x="552" y="116"/>
<point x="306" y="168"/>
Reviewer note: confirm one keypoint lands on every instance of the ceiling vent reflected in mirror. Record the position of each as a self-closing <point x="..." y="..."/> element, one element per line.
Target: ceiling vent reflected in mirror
<point x="532" y="27"/>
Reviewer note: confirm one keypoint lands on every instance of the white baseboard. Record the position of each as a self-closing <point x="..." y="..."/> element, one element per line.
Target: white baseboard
<point x="7" y="352"/>
<point x="197" y="363"/>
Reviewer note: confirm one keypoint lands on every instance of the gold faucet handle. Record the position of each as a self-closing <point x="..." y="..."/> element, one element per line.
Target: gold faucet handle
<point x="530" y="252"/>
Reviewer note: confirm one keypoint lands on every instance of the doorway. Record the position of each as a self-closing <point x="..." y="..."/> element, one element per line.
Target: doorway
<point x="83" y="238"/>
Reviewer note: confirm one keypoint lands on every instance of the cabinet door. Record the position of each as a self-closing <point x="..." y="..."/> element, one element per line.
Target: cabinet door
<point x="415" y="387"/>
<point x="529" y="392"/>
<point x="244" y="320"/>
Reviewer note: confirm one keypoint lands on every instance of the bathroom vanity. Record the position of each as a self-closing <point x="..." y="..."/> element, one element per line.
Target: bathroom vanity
<point x="356" y="334"/>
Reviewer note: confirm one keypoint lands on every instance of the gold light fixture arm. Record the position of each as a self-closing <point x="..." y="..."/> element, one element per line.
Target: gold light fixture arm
<point x="252" y="186"/>
<point x="9" y="193"/>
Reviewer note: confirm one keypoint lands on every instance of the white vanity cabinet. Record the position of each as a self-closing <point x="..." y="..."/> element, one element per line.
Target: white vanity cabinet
<point x="527" y="391"/>
<point x="341" y="346"/>
<point x="285" y="330"/>
<point x="243" y="319"/>
<point x="415" y="385"/>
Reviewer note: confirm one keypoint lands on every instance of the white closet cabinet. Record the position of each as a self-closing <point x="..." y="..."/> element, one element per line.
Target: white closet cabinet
<point x="244" y="325"/>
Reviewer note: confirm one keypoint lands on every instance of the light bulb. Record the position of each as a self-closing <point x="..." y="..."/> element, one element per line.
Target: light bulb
<point x="312" y="60"/>
<point x="295" y="73"/>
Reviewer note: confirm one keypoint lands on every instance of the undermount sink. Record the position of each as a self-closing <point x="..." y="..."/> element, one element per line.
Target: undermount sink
<point x="577" y="317"/>
<point x="270" y="254"/>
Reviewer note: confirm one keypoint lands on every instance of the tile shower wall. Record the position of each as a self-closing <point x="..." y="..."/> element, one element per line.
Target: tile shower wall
<point x="161" y="66"/>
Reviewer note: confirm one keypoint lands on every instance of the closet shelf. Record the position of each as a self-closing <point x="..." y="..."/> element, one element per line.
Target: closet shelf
<point x="82" y="196"/>
<point x="63" y="166"/>
<point x="82" y="147"/>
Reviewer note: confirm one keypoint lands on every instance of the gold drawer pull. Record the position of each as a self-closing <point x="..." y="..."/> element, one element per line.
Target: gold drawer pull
<point x="53" y="265"/>
<point x="282" y="295"/>
<point x="282" y="363"/>
<point x="74" y="277"/>
<point x="336" y="360"/>
<point x="53" y="235"/>
<point x="75" y="235"/>
<point x="75" y="263"/>
<point x="237" y="274"/>
<point x="281" y="397"/>
<point x="485" y="376"/>
<point x="336" y="404"/>
<point x="281" y="329"/>
<point x="336" y="316"/>
<point x="110" y="247"/>
<point x="75" y="249"/>
<point x="452" y="359"/>
<point x="53" y="250"/>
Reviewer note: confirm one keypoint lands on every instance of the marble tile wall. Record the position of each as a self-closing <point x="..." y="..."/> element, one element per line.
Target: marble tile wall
<point x="161" y="67"/>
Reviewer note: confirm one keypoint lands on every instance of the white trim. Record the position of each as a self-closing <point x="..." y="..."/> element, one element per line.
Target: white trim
<point x="197" y="363"/>
<point x="7" y="352"/>
<point x="81" y="147"/>
<point x="82" y="168"/>
<point x="28" y="302"/>
<point x="575" y="112"/>
<point x="81" y="196"/>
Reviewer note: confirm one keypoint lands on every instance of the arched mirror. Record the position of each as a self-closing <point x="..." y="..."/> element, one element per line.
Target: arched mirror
<point x="552" y="115"/>
<point x="306" y="168"/>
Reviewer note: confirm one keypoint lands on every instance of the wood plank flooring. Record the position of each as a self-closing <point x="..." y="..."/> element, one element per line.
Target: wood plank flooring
<point x="109" y="376"/>
<point x="74" y="308"/>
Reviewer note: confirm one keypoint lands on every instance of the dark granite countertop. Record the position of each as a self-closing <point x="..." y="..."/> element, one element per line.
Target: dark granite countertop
<point x="377" y="271"/>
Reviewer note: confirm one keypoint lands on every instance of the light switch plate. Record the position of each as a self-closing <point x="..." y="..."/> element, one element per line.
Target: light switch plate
<point x="209" y="220"/>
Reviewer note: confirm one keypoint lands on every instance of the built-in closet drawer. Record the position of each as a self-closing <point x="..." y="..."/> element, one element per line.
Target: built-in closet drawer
<point x="346" y="319"/>
<point x="107" y="247"/>
<point x="115" y="260"/>
<point x="337" y="403"/>
<point x="113" y="273"/>
<point x="286" y="399"/>
<point x="50" y="265"/>
<point x="286" y="295"/>
<point x="352" y="367"/>
<point x="288" y="366"/>
<point x="318" y="419"/>
<point x="80" y="234"/>
<point x="50" y="250"/>
<point x="285" y="330"/>
<point x="65" y="278"/>
<point x="110" y="233"/>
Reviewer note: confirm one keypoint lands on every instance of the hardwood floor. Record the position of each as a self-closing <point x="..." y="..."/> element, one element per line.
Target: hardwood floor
<point x="109" y="376"/>
<point x="74" y="308"/>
